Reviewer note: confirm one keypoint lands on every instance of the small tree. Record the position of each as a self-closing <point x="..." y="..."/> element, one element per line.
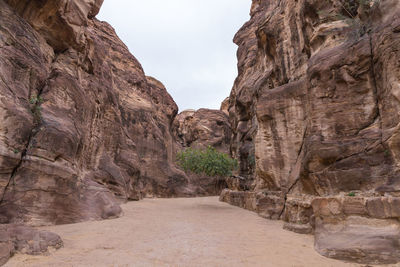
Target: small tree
<point x="208" y="161"/>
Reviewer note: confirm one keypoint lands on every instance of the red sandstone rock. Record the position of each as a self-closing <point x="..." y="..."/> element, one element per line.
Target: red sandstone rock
<point x="82" y="127"/>
<point x="200" y="129"/>
<point x="22" y="239"/>
<point x="316" y="105"/>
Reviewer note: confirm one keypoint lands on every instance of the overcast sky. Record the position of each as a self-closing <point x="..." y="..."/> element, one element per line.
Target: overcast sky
<point x="186" y="44"/>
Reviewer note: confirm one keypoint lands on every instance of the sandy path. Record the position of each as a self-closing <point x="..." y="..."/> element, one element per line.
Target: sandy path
<point x="180" y="232"/>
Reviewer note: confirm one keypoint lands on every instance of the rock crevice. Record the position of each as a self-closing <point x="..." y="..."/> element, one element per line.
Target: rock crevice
<point x="83" y="128"/>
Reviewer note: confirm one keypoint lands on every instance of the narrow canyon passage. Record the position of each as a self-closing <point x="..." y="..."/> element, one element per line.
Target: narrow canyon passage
<point x="180" y="232"/>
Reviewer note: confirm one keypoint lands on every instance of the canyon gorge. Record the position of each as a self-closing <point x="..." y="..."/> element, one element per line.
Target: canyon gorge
<point x="313" y="120"/>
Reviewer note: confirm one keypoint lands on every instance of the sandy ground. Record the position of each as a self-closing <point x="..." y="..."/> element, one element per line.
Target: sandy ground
<point x="180" y="232"/>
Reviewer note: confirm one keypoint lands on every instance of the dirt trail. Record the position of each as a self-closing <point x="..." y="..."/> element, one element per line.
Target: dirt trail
<point x="180" y="232"/>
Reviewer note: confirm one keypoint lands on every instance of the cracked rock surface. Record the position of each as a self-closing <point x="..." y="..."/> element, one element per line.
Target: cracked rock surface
<point x="82" y="127"/>
<point x="199" y="129"/>
<point x="25" y="240"/>
<point x="315" y="114"/>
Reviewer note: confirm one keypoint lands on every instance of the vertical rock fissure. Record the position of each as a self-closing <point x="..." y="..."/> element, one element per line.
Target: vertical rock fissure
<point x="375" y="87"/>
<point x="16" y="168"/>
<point x="290" y="172"/>
<point x="37" y="123"/>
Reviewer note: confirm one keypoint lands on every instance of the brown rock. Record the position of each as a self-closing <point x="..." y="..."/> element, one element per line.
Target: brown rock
<point x="246" y="200"/>
<point x="270" y="204"/>
<point x="200" y="129"/>
<point x="267" y="204"/>
<point x="203" y="128"/>
<point x="82" y="127"/>
<point x="315" y="105"/>
<point x="383" y="207"/>
<point x="342" y="234"/>
<point x="61" y="23"/>
<point x="363" y="240"/>
<point x="304" y="229"/>
<point x="225" y="106"/>
<point x="22" y="239"/>
<point x="298" y="211"/>
<point x="237" y="183"/>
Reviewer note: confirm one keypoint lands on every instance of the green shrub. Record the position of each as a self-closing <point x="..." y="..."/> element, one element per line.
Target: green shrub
<point x="208" y="161"/>
<point x="351" y="194"/>
<point x="35" y="102"/>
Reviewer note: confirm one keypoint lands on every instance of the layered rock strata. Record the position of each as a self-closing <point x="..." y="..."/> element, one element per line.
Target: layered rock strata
<point x="82" y="127"/>
<point x="25" y="240"/>
<point x="202" y="128"/>
<point x="314" y="113"/>
<point x="199" y="130"/>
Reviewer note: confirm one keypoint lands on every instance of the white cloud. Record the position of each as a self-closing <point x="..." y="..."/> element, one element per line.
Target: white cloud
<point x="186" y="44"/>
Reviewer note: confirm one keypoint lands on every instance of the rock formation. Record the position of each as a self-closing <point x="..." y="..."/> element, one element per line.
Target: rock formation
<point x="203" y="128"/>
<point x="22" y="239"/>
<point x="314" y="113"/>
<point x="315" y="117"/>
<point x="200" y="129"/>
<point x="82" y="127"/>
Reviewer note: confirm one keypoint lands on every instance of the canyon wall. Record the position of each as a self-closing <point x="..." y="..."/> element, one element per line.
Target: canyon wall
<point x="199" y="130"/>
<point x="315" y="115"/>
<point x="82" y="128"/>
<point x="202" y="128"/>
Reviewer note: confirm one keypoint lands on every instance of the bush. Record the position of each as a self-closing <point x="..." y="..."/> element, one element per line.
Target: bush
<point x="351" y="194"/>
<point x="35" y="102"/>
<point x="209" y="162"/>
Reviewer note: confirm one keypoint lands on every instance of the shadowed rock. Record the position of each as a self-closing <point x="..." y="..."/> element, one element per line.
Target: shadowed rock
<point x="25" y="240"/>
<point x="200" y="129"/>
<point x="315" y="105"/>
<point x="83" y="129"/>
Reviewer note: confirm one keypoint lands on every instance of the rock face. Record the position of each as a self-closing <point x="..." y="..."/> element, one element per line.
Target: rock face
<point x="200" y="129"/>
<point x="203" y="128"/>
<point x="22" y="239"/>
<point x="314" y="113"/>
<point x="82" y="127"/>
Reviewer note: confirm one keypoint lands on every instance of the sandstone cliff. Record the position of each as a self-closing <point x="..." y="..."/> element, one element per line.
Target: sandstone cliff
<point x="315" y="115"/>
<point x="82" y="127"/>
<point x="200" y="129"/>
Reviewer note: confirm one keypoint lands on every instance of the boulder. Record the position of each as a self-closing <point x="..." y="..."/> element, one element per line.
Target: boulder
<point x="25" y="240"/>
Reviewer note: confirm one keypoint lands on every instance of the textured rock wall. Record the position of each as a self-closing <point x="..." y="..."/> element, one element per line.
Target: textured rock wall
<point x="316" y="105"/>
<point x="203" y="128"/>
<point x="26" y="240"/>
<point x="200" y="129"/>
<point x="82" y="127"/>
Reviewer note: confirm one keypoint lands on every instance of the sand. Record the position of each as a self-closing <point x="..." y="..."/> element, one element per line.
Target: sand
<point x="180" y="232"/>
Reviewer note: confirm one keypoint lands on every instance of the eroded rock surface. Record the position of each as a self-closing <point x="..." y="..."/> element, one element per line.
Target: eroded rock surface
<point x="82" y="127"/>
<point x="25" y="240"/>
<point x="200" y="129"/>
<point x="314" y="113"/>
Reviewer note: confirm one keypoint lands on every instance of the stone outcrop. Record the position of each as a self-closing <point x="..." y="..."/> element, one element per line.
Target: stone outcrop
<point x="314" y="113"/>
<point x="22" y="239"/>
<point x="200" y="129"/>
<point x="365" y="228"/>
<point x="225" y="106"/>
<point x="82" y="128"/>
